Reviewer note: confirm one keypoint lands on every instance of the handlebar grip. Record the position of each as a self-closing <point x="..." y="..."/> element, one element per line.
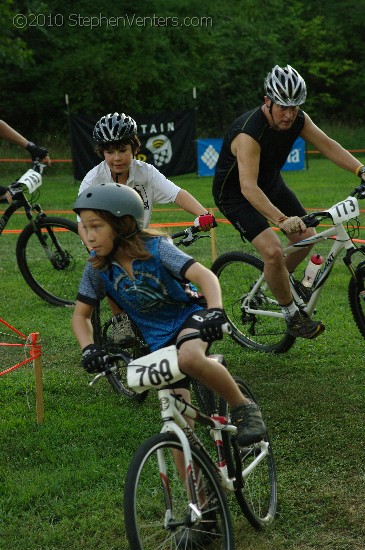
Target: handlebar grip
<point x="227" y="328"/>
<point x="310" y="220"/>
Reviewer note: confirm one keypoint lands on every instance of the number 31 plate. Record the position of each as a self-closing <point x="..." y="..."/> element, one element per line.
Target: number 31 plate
<point x="154" y="370"/>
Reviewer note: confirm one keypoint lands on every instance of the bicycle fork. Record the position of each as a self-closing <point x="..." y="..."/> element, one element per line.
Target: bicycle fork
<point x="188" y="475"/>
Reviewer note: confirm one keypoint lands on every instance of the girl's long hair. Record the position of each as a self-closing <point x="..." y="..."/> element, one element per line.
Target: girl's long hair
<point x="128" y="237"/>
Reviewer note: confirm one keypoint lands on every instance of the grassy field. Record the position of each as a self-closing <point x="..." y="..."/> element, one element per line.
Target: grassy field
<point x="61" y="483"/>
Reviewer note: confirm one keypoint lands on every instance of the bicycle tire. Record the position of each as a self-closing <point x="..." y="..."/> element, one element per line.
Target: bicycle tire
<point x="356" y="295"/>
<point x="147" y="490"/>
<point x="237" y="273"/>
<point x="257" y="494"/>
<point x="136" y="348"/>
<point x="53" y="269"/>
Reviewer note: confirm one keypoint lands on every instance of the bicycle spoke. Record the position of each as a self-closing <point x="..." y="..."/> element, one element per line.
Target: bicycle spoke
<point x="263" y="330"/>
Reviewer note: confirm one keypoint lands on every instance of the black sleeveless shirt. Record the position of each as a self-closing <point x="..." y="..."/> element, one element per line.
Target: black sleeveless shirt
<point x="275" y="148"/>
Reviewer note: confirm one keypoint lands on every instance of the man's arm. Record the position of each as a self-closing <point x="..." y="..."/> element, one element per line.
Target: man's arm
<point x="330" y="148"/>
<point x="8" y="133"/>
<point x="248" y="151"/>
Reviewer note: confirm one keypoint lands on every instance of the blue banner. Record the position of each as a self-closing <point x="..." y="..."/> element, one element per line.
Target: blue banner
<point x="296" y="159"/>
<point x="208" y="153"/>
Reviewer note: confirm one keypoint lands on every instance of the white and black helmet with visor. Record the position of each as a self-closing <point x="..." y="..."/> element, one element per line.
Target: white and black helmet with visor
<point x="285" y="87"/>
<point x="114" y="127"/>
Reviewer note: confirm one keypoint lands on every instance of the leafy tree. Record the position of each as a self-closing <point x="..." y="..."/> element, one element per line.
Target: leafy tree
<point x="151" y="56"/>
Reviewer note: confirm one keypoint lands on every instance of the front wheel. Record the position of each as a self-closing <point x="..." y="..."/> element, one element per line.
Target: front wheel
<point x="356" y="293"/>
<point x="156" y="500"/>
<point x="51" y="258"/>
<point x="256" y="488"/>
<point x="250" y="314"/>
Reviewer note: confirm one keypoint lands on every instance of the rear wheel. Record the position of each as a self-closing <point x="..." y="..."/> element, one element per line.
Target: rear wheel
<point x="51" y="258"/>
<point x="255" y="490"/>
<point x="238" y="273"/>
<point x="104" y="337"/>
<point x="356" y="293"/>
<point x="156" y="501"/>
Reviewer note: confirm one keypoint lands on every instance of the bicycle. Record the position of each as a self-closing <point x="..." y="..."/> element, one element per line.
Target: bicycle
<point x="49" y="252"/>
<point x="167" y="501"/>
<point x="103" y="330"/>
<point x="254" y="312"/>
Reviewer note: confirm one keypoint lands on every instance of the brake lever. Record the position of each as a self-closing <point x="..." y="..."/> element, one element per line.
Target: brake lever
<point x="187" y="241"/>
<point x="103" y="373"/>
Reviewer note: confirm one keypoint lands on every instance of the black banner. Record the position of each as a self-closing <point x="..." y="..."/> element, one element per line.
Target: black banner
<point x="168" y="142"/>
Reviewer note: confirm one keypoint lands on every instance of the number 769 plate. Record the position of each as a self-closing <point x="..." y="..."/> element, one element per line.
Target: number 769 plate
<point x="154" y="370"/>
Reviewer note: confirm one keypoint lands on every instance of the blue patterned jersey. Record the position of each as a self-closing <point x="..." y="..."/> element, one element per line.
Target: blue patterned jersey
<point x="154" y="299"/>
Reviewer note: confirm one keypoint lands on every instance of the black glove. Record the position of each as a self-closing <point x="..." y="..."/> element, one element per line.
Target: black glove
<point x="36" y="152"/>
<point x="3" y="190"/>
<point x="94" y="359"/>
<point x="211" y="323"/>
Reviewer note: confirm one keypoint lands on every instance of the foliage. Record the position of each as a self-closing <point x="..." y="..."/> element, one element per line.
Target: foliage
<point x="149" y="58"/>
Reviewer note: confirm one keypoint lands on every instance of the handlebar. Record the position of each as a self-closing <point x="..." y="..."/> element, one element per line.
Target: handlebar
<point x="30" y="180"/>
<point x="314" y="218"/>
<point x="191" y="230"/>
<point x="189" y="235"/>
<point x="112" y="369"/>
<point x="359" y="191"/>
<point x="226" y="329"/>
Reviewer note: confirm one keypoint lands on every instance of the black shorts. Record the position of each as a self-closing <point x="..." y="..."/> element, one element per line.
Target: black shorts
<point x="249" y="222"/>
<point x="193" y="324"/>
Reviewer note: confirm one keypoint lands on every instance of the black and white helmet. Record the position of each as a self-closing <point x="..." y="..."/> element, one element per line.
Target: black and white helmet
<point x="118" y="199"/>
<point x="114" y="127"/>
<point x="285" y="86"/>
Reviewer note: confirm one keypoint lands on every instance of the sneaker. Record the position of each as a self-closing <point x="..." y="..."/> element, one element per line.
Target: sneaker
<point x="121" y="328"/>
<point x="301" y="326"/>
<point x="250" y="426"/>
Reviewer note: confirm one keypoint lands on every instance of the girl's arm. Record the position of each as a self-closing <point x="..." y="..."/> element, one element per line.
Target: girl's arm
<point x="81" y="324"/>
<point x="207" y="282"/>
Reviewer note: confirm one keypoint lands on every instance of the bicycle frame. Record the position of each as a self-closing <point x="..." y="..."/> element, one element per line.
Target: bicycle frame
<point x="342" y="241"/>
<point x="174" y="412"/>
<point x="149" y="372"/>
<point x="20" y="202"/>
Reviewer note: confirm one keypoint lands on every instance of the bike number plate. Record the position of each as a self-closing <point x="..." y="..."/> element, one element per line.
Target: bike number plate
<point x="31" y="179"/>
<point x="344" y="210"/>
<point x="155" y="370"/>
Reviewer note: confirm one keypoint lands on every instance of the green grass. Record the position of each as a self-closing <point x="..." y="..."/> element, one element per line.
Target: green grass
<point x="61" y="483"/>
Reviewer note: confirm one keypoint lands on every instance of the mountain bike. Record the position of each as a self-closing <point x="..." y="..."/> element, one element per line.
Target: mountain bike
<point x="169" y="502"/>
<point x="49" y="253"/>
<point x="134" y="346"/>
<point x="256" y="317"/>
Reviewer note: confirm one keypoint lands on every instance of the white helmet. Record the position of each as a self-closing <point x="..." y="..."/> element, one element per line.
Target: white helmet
<point x="114" y="127"/>
<point x="285" y="86"/>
